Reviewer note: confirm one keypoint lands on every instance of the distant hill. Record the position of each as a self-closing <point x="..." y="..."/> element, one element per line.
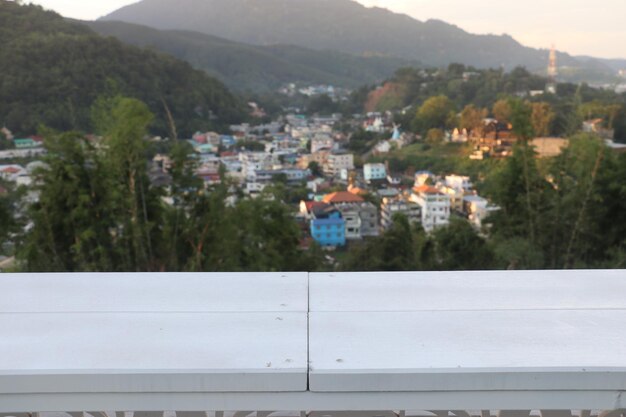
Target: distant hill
<point x="256" y="68"/>
<point x="52" y="70"/>
<point x="342" y="25"/>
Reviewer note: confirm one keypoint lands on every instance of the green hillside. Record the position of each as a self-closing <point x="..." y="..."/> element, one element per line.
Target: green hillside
<point x="255" y="68"/>
<point x="52" y="70"/>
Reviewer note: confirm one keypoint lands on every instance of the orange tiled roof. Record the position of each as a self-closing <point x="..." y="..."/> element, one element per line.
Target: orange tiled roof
<point x="342" y="197"/>
<point x="310" y="205"/>
<point x="357" y="191"/>
<point x="426" y="189"/>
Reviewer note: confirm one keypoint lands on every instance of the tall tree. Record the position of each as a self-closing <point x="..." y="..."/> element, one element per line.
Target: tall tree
<point x="73" y="227"/>
<point x="458" y="247"/>
<point x="502" y="111"/>
<point x="472" y="118"/>
<point x="124" y="123"/>
<point x="436" y="113"/>
<point x="542" y="118"/>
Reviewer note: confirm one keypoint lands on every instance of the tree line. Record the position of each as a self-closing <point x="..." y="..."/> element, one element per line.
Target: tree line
<point x="98" y="211"/>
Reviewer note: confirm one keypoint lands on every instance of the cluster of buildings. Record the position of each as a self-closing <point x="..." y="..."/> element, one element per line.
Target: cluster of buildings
<point x="337" y="218"/>
<point x="344" y="203"/>
<point x="254" y="157"/>
<point x="433" y="200"/>
<point x="496" y="139"/>
<point x="335" y="93"/>
<point x="19" y="148"/>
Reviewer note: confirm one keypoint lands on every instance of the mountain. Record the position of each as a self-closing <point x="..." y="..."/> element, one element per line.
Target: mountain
<point x="342" y="25"/>
<point x="616" y="64"/>
<point x="52" y="71"/>
<point x="247" y="67"/>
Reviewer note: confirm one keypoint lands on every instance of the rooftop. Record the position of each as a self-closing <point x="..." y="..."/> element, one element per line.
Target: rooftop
<point x="342" y="197"/>
<point x="426" y="189"/>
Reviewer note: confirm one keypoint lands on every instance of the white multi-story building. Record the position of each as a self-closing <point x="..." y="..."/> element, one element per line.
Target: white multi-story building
<point x="322" y="142"/>
<point x="393" y="206"/>
<point x="478" y="209"/>
<point x="383" y="147"/>
<point x="374" y="172"/>
<point x="254" y="161"/>
<point x="459" y="182"/>
<point x="337" y="162"/>
<point x="456" y="197"/>
<point x="435" y="207"/>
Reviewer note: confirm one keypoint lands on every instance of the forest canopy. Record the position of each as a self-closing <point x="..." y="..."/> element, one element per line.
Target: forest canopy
<point x="52" y="70"/>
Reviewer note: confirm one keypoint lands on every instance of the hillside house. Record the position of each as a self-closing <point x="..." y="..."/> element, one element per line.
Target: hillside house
<point x="361" y="219"/>
<point x="597" y="127"/>
<point x="400" y="205"/>
<point x="27" y="143"/>
<point x="337" y="162"/>
<point x="478" y="209"/>
<point x="328" y="228"/>
<point x="435" y="207"/>
<point x="374" y="172"/>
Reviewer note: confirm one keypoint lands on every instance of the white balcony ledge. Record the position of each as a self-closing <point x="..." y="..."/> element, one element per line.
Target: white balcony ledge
<point x="398" y="341"/>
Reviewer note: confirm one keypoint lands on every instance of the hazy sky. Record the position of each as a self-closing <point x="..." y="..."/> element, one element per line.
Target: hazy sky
<point x="577" y="26"/>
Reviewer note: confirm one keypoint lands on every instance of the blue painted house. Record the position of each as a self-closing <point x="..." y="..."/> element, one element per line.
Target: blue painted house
<point x="328" y="228"/>
<point x="228" y="141"/>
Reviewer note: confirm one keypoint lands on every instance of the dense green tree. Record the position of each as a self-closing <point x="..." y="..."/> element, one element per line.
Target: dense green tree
<point x="436" y="113"/>
<point x="7" y="221"/>
<point x="435" y="136"/>
<point x="322" y="104"/>
<point x="124" y="123"/>
<point x="542" y="118"/>
<point x="458" y="247"/>
<point x="394" y="251"/>
<point x="563" y="213"/>
<point x="519" y="189"/>
<point x="502" y="111"/>
<point x="315" y="169"/>
<point x="472" y="118"/>
<point x="362" y="141"/>
<point x="75" y="66"/>
<point x="73" y="225"/>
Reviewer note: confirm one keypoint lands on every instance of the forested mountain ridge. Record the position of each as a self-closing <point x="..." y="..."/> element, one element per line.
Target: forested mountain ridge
<point x="245" y="67"/>
<point x="52" y="71"/>
<point x="342" y="25"/>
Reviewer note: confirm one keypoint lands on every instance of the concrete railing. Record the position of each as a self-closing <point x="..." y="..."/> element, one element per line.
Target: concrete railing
<point x="496" y="342"/>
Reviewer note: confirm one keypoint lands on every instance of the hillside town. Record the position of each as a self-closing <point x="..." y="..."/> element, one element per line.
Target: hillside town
<point x="338" y="197"/>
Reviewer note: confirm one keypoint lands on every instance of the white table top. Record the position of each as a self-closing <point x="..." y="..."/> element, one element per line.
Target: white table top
<point x="495" y="290"/>
<point x="171" y="292"/>
<point x="153" y="332"/>
<point x="217" y="334"/>
<point x="438" y="331"/>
